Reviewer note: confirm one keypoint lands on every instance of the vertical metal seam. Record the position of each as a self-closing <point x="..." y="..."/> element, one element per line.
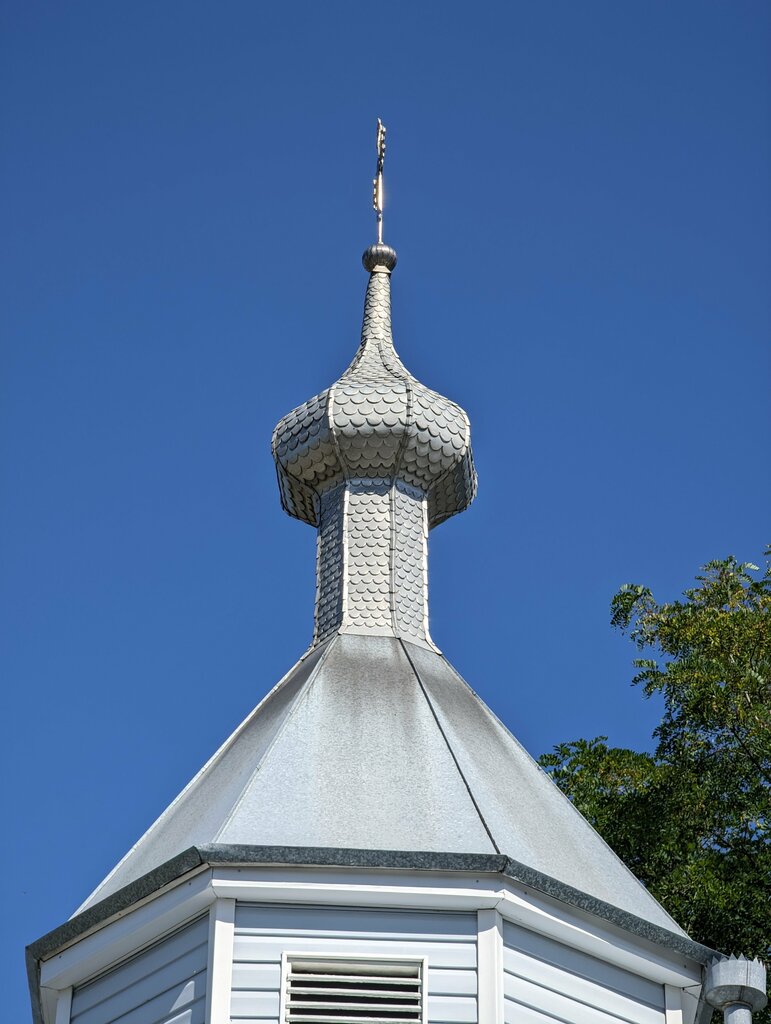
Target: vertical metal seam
<point x="409" y="413"/>
<point x="447" y="742"/>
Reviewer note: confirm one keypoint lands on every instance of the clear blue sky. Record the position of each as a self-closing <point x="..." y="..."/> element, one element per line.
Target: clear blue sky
<point x="578" y="193"/>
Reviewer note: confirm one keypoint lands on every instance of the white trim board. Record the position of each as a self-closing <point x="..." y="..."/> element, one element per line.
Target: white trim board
<point x="439" y="891"/>
<point x="222" y="919"/>
<point x="64" y="1007"/>
<point x="490" y="967"/>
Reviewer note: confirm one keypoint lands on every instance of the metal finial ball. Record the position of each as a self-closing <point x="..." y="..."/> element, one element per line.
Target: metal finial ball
<point x="379" y="257"/>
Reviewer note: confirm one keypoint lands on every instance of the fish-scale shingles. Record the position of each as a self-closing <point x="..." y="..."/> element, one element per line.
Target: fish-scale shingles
<point x="368" y="575"/>
<point x="453" y="492"/>
<point x="306" y="457"/>
<point x="376" y="422"/>
<point x="369" y="419"/>
<point x="409" y="564"/>
<point x="371" y="573"/>
<point x="438" y="439"/>
<point x="329" y="569"/>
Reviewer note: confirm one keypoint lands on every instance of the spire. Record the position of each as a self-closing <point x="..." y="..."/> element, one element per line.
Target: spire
<point x="374" y="462"/>
<point x="379" y="258"/>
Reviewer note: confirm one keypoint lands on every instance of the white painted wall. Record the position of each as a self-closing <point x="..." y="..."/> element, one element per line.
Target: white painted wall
<point x="163" y="984"/>
<point x="263" y="933"/>
<point x="545" y="981"/>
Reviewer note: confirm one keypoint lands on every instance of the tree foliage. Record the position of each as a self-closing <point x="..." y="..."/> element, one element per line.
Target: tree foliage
<point x="692" y="818"/>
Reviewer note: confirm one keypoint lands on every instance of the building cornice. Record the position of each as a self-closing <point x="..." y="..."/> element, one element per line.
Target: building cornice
<point x="221" y="855"/>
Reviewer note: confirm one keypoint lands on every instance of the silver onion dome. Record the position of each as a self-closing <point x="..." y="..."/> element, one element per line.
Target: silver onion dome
<point x="376" y="422"/>
<point x="374" y="461"/>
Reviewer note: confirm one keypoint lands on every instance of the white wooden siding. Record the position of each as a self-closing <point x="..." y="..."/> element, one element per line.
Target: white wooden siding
<point x="263" y="933"/>
<point x="545" y="981"/>
<point x="164" y="984"/>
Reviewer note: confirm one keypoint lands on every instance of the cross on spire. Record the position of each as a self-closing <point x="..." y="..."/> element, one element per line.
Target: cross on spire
<point x="377" y="183"/>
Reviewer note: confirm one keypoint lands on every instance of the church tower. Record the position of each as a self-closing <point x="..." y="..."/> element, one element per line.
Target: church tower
<point x="372" y="844"/>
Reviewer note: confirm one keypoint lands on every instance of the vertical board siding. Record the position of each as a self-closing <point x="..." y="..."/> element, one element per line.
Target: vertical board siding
<point x="545" y="981"/>
<point x="165" y="984"/>
<point x="263" y="933"/>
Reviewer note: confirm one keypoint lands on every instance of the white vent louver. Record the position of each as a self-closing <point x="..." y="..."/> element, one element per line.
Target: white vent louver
<point x="354" y="992"/>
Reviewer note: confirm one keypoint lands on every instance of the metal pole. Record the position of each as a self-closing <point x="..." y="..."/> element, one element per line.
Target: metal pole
<point x="737" y="1013"/>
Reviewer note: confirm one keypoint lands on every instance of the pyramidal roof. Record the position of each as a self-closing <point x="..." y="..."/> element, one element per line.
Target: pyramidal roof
<point x="373" y="741"/>
<point x="377" y="743"/>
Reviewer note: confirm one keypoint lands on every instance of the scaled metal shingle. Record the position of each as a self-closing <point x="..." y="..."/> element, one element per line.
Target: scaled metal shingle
<point x="374" y="462"/>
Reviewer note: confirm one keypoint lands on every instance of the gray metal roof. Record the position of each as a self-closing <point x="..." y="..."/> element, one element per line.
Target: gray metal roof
<point x="378" y="744"/>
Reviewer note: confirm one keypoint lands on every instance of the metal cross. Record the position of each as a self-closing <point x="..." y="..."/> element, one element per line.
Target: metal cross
<point x="377" y="184"/>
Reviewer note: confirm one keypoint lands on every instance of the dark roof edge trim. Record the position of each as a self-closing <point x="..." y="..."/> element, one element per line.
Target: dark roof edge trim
<point x="220" y="855"/>
<point x="638" y="926"/>
<point x="124" y="898"/>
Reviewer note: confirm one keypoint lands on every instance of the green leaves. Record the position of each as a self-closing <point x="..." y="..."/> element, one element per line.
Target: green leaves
<point x="692" y="820"/>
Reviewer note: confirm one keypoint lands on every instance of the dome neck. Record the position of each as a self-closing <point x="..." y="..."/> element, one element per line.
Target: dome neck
<point x="371" y="570"/>
<point x="377" y="343"/>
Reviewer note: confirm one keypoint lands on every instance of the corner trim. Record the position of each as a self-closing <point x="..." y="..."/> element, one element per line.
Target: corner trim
<point x="222" y="922"/>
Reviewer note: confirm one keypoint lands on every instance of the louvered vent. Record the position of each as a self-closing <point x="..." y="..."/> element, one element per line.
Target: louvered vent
<point x="354" y="991"/>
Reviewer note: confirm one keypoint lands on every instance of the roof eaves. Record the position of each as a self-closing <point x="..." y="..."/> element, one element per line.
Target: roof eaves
<point x="215" y="855"/>
<point x="148" y="885"/>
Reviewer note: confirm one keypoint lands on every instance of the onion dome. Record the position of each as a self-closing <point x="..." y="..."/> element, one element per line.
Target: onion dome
<point x="374" y="462"/>
<point x="376" y="422"/>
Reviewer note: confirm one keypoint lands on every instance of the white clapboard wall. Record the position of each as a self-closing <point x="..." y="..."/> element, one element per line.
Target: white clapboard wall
<point x="263" y="933"/>
<point x="165" y="984"/>
<point x="545" y="981"/>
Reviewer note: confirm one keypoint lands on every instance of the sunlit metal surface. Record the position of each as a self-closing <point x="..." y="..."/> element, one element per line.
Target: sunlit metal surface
<point x="377" y="744"/>
<point x="375" y="461"/>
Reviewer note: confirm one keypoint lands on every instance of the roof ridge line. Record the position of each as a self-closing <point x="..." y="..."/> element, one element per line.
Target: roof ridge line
<point x="218" y="753"/>
<point x="301" y="696"/>
<point x="570" y="803"/>
<point x="447" y="744"/>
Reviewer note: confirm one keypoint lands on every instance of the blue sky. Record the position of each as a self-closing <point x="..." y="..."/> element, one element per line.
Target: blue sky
<point x="578" y="193"/>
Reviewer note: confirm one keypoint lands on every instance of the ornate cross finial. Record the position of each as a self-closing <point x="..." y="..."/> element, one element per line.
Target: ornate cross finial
<point x="377" y="184"/>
